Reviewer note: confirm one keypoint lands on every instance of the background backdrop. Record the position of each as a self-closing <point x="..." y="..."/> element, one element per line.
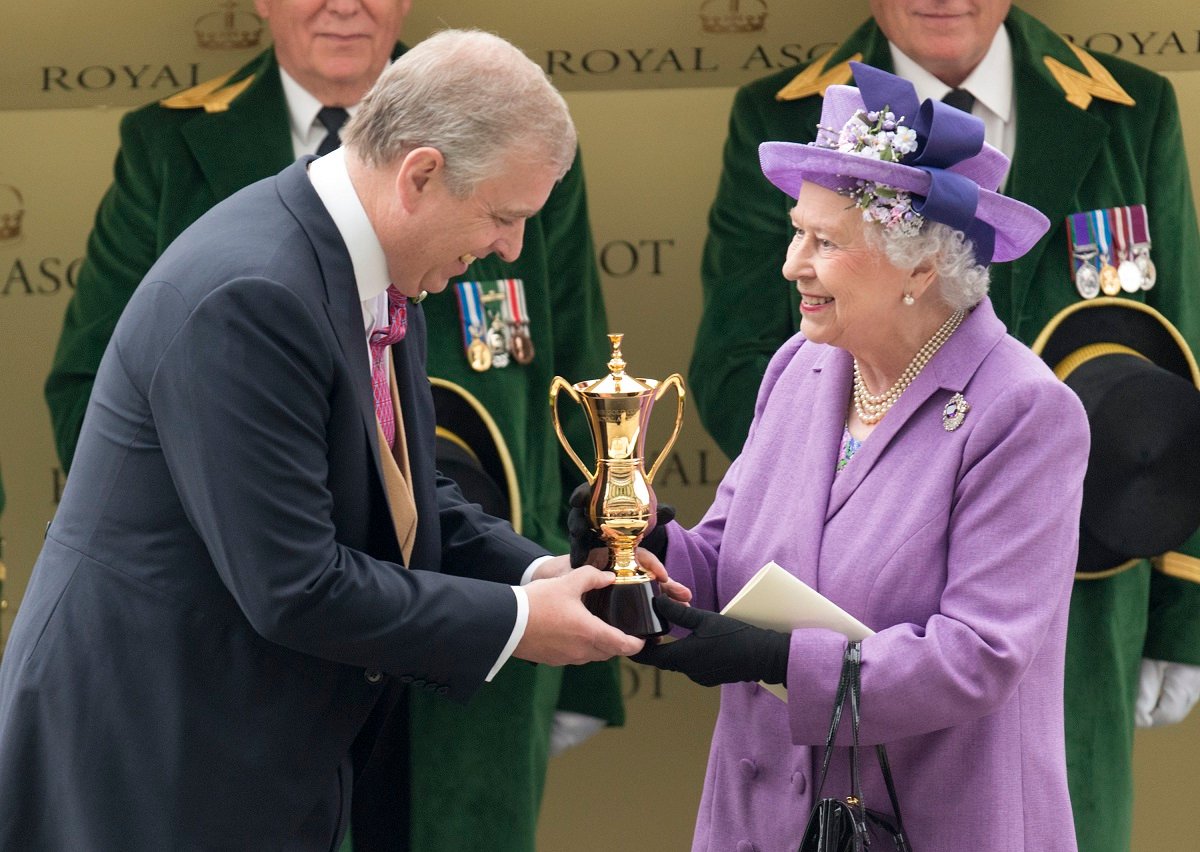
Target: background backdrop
<point x="650" y="86"/>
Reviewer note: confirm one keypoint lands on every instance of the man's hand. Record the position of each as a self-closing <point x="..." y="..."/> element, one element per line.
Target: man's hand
<point x="561" y="631"/>
<point x="1166" y="693"/>
<point x="719" y="650"/>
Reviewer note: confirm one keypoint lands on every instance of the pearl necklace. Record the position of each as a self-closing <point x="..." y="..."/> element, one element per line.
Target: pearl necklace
<point x="871" y="407"/>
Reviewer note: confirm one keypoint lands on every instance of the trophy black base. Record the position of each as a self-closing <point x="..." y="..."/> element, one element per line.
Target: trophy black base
<point x="627" y="607"/>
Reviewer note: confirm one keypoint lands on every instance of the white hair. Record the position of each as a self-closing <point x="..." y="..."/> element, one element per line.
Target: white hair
<point x="961" y="281"/>
<point x="474" y="97"/>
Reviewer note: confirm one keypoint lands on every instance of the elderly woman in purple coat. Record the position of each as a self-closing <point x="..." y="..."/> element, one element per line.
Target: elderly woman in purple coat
<point x="919" y="467"/>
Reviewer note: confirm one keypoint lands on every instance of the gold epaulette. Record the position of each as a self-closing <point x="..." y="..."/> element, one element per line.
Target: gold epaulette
<point x="1178" y="565"/>
<point x="815" y="79"/>
<point x="1080" y="88"/>
<point x="213" y="94"/>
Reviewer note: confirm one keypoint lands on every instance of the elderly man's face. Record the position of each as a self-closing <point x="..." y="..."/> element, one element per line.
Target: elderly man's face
<point x="334" y="48"/>
<point x="947" y="38"/>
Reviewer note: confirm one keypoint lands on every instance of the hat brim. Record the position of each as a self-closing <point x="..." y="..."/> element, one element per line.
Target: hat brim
<point x="1113" y="320"/>
<point x="1138" y="382"/>
<point x="787" y="165"/>
<point x="471" y="450"/>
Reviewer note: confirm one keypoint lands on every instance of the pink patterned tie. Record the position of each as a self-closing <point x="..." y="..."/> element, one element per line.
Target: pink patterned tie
<point x="381" y="339"/>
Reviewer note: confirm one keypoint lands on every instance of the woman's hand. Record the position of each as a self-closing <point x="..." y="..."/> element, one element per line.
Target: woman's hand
<point x="719" y="650"/>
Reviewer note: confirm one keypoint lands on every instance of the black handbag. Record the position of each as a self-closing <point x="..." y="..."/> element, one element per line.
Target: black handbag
<point x="848" y="825"/>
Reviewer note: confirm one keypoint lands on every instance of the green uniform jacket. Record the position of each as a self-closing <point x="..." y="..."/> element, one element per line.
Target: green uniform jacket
<point x="477" y="771"/>
<point x="1067" y="159"/>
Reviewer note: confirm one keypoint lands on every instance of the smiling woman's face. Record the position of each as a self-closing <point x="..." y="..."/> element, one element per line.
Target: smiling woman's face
<point x="850" y="293"/>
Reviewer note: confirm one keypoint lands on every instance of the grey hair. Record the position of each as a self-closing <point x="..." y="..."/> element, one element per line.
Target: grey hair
<point x="961" y="282"/>
<point x="474" y="97"/>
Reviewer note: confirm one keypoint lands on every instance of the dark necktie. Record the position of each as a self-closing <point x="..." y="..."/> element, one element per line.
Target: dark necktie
<point x="332" y="118"/>
<point x="380" y="340"/>
<point x="959" y="99"/>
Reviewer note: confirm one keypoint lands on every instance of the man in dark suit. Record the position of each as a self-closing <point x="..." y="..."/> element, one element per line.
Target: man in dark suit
<point x="178" y="158"/>
<point x="1086" y="132"/>
<point x="222" y="614"/>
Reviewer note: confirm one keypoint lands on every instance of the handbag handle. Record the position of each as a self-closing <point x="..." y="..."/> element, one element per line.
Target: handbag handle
<point x="850" y="684"/>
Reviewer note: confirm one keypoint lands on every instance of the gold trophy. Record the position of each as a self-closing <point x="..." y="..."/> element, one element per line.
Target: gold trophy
<point x="621" y="507"/>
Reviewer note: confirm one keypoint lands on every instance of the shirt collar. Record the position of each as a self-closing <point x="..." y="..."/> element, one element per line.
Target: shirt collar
<point x="991" y="82"/>
<point x="331" y="180"/>
<point x="307" y="132"/>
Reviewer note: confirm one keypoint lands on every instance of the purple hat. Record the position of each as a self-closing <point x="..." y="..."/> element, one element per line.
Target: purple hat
<point x="904" y="161"/>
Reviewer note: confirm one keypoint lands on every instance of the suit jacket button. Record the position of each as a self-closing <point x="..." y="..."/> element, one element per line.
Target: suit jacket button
<point x="749" y="768"/>
<point x="373" y="675"/>
<point x="799" y="782"/>
<point x="746" y="846"/>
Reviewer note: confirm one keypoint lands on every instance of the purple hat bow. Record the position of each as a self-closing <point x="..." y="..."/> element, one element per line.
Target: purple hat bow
<point x="945" y="137"/>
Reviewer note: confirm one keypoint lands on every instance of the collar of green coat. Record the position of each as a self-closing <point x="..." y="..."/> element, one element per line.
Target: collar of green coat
<point x="250" y="138"/>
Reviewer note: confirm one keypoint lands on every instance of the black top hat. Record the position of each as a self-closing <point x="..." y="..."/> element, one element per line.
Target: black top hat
<point x="471" y="451"/>
<point x="1138" y="382"/>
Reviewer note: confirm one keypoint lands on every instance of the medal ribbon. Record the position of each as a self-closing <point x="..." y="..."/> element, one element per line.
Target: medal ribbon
<point x="516" y="300"/>
<point x="1119" y="226"/>
<point x="470" y="311"/>
<point x="1103" y="237"/>
<point x="1140" y="225"/>
<point x="1083" y="243"/>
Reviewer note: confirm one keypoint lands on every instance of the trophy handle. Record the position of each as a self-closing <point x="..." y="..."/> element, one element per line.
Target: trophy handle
<point x="676" y="380"/>
<point x="561" y="383"/>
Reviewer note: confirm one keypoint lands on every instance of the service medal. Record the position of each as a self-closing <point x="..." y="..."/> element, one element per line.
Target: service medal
<point x="479" y="356"/>
<point x="522" y="345"/>
<point x="1146" y="266"/>
<point x="1082" y="246"/>
<point x="1130" y="276"/>
<point x="1140" y="221"/>
<point x="471" y="317"/>
<point x="1087" y="281"/>
<point x="1110" y="284"/>
<point x="1110" y="281"/>
<point x="517" y="316"/>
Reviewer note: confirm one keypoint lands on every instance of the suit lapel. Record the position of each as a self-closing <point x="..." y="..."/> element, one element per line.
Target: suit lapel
<point x="249" y="141"/>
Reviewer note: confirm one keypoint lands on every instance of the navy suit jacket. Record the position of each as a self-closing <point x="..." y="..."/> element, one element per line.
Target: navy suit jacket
<point x="220" y="602"/>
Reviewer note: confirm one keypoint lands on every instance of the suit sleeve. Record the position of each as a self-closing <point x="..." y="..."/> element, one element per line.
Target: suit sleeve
<point x="241" y="399"/>
<point x="120" y="250"/>
<point x="1173" y="626"/>
<point x="747" y="310"/>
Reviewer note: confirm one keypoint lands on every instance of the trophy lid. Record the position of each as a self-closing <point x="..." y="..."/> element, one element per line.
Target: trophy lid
<point x="616" y="382"/>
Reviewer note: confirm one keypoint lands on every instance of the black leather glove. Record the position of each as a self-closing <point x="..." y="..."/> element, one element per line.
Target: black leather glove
<point x="584" y="539"/>
<point x="719" y="650"/>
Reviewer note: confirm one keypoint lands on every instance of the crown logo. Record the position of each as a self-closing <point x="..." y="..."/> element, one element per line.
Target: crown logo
<point x="733" y="16"/>
<point x="12" y="210"/>
<point x="228" y="30"/>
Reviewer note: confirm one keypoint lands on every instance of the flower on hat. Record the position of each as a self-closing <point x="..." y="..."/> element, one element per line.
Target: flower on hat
<point x="877" y="135"/>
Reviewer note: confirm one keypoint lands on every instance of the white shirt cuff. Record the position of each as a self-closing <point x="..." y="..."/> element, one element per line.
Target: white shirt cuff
<point x="522" y="617"/>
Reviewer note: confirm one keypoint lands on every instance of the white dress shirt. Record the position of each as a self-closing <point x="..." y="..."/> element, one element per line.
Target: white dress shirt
<point x="991" y="83"/>
<point x="331" y="180"/>
<point x="307" y="131"/>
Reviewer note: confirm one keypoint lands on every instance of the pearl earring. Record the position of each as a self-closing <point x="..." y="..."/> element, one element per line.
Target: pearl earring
<point x="909" y="300"/>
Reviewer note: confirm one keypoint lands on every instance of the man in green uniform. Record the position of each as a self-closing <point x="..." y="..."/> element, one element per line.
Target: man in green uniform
<point x="475" y="773"/>
<point x="1086" y="133"/>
